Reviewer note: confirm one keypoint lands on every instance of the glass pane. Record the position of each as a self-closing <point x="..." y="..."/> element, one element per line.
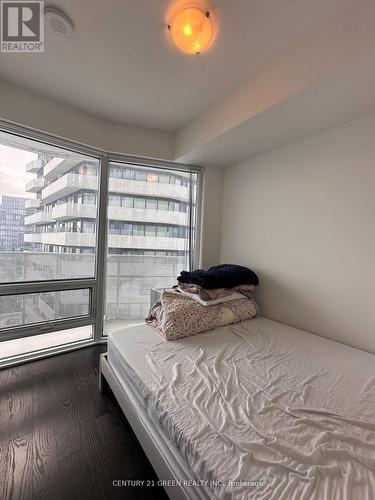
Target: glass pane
<point x="127" y="201"/>
<point x="139" y="203"/>
<point x="148" y="240"/>
<point x="150" y="231"/>
<point x="45" y="195"/>
<point x="115" y="200"/>
<point x="161" y="231"/>
<point x="138" y="230"/>
<point x="13" y="349"/>
<point x="152" y="204"/>
<point x="31" y="308"/>
<point x="163" y="204"/>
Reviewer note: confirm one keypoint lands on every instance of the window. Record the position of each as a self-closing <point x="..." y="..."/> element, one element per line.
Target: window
<point x="161" y="231"/>
<point x="88" y="227"/>
<point x="32" y="308"/>
<point x="53" y="284"/>
<point x="174" y="233"/>
<point x="140" y="175"/>
<point x="164" y="179"/>
<point x="163" y="205"/>
<point x="168" y="246"/>
<point x="115" y="200"/>
<point x="138" y="230"/>
<point x="150" y="231"/>
<point x="115" y="172"/>
<point x="151" y="204"/>
<point x="120" y="200"/>
<point x="30" y="216"/>
<point x="139" y="203"/>
<point x="127" y="174"/>
<point x="89" y="198"/>
<point x="127" y="201"/>
<point x="114" y="228"/>
<point x="53" y="267"/>
<point x="126" y="229"/>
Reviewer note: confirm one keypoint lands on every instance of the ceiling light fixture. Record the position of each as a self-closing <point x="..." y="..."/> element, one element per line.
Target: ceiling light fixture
<point x="192" y="30"/>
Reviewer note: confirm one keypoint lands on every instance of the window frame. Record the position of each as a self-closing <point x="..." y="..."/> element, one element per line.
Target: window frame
<point x="96" y="284"/>
<point x="26" y="288"/>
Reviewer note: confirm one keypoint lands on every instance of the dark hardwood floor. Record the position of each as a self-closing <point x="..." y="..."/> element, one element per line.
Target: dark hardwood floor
<point x="61" y="439"/>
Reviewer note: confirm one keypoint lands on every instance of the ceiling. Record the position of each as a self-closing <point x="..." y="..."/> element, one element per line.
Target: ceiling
<point x="345" y="96"/>
<point x="119" y="63"/>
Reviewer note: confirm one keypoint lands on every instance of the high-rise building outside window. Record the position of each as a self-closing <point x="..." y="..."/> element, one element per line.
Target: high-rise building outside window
<point x="49" y="220"/>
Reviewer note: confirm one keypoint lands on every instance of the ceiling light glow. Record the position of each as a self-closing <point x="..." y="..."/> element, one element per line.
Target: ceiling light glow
<point x="192" y="30"/>
<point x="187" y="30"/>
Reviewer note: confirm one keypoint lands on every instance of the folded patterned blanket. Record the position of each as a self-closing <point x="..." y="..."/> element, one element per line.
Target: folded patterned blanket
<point x="216" y="295"/>
<point x="175" y="316"/>
<point x="222" y="276"/>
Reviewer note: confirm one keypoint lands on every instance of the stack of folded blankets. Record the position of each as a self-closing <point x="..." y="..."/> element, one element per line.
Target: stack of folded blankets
<point x="204" y="300"/>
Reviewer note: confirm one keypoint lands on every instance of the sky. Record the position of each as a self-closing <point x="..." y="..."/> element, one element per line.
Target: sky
<point x="13" y="176"/>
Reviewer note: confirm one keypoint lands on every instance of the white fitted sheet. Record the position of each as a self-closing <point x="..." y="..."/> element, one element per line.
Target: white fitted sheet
<point x="259" y="401"/>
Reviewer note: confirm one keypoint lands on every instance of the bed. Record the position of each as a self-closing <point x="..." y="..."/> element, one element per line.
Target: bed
<point x="255" y="410"/>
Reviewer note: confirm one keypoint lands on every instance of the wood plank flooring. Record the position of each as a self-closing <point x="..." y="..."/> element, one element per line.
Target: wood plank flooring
<point x="61" y="439"/>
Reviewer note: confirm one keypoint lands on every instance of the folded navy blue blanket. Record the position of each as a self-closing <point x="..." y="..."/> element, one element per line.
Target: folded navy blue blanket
<point x="222" y="276"/>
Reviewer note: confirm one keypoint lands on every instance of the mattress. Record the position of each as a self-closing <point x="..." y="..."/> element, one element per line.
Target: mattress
<point x="259" y="410"/>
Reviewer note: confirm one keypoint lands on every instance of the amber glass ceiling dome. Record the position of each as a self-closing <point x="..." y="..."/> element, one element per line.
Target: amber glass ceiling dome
<point x="192" y="30"/>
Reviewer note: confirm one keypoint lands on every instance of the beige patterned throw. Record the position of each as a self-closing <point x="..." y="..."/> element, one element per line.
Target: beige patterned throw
<point x="178" y="316"/>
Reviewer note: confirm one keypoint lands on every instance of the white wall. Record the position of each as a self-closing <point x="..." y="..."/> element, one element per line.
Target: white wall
<point x="303" y="217"/>
<point x="211" y="216"/>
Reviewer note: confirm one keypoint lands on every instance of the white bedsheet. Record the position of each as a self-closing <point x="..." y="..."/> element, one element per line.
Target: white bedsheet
<point x="260" y="401"/>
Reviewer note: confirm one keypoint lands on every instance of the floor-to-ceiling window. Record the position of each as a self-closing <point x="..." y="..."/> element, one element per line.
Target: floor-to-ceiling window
<point x="151" y="221"/>
<point x="84" y="236"/>
<point x="47" y="246"/>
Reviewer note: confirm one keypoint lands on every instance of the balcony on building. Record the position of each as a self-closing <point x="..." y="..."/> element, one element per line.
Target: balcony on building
<point x="32" y="203"/>
<point x="147" y="188"/>
<point x="56" y="167"/>
<point x="34" y="166"/>
<point x="69" y="184"/>
<point x="71" y="239"/>
<point x="35" y="185"/>
<point x="32" y="237"/>
<point x="148" y="215"/>
<point x="146" y="242"/>
<point x="69" y="211"/>
<point x="39" y="218"/>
